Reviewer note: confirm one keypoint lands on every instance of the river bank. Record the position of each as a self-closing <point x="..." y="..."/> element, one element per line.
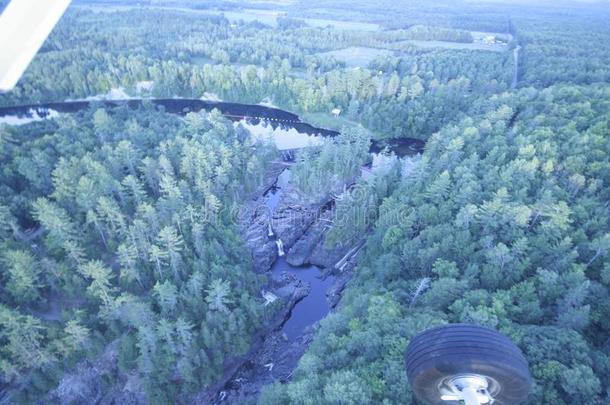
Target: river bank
<point x="280" y="213"/>
<point x="252" y="116"/>
<point x="285" y="234"/>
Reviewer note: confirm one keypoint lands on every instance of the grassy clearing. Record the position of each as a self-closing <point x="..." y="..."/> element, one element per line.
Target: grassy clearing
<point x="268" y="17"/>
<point x="342" y="25"/>
<point x="475" y="46"/>
<point x="356" y="56"/>
<point x="202" y="60"/>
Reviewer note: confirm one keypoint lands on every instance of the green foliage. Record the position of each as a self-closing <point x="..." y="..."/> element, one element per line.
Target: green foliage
<point x="413" y="94"/>
<point x="420" y="32"/>
<point x="115" y="225"/>
<point x="327" y="170"/>
<point x="23" y="276"/>
<point x="507" y="240"/>
<point x="133" y="232"/>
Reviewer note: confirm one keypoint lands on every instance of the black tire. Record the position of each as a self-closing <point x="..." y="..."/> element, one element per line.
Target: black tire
<point x="449" y="350"/>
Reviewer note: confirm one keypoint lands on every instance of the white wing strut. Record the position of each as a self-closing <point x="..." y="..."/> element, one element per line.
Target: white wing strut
<point x="24" y="26"/>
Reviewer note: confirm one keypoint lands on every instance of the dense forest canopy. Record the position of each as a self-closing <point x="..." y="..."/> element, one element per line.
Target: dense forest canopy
<point x="118" y="236"/>
<point x="248" y="62"/>
<point x="138" y="245"/>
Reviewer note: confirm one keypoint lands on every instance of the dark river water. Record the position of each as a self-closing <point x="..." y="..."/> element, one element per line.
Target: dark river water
<point x="314" y="306"/>
<point x="311" y="308"/>
<point x="287" y="131"/>
<point x="255" y="115"/>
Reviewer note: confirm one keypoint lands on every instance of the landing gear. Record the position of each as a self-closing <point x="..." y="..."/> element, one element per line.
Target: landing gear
<point x="467" y="364"/>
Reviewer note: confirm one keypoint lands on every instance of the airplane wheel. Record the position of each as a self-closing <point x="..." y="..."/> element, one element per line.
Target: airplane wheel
<point x="442" y="361"/>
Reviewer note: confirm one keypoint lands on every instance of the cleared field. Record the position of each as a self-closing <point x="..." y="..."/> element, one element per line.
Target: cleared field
<point x="299" y="73"/>
<point x="356" y="56"/>
<point x="268" y="17"/>
<point x="234" y="16"/>
<point x="282" y="3"/>
<point x="202" y="60"/>
<point x="477" y="46"/>
<point x="342" y="25"/>
<point x="479" y="35"/>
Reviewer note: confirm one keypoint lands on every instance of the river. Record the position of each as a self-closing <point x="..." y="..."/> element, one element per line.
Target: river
<point x="288" y="132"/>
<point x="314" y="306"/>
<point x="291" y="132"/>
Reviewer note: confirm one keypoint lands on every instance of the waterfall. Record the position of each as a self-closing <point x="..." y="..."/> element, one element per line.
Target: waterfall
<point x="280" y="247"/>
<point x="270" y="232"/>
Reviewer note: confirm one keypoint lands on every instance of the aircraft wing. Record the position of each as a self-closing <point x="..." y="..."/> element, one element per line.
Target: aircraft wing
<point x="24" y="26"/>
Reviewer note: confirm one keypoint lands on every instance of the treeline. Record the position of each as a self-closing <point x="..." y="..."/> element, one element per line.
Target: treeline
<point x="134" y="244"/>
<point x="426" y="33"/>
<point x="570" y="49"/>
<point x="413" y="95"/>
<point x="401" y="14"/>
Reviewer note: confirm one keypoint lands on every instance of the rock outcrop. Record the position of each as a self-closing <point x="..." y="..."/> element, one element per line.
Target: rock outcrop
<point x="311" y="247"/>
<point x="293" y="216"/>
<point x="88" y="383"/>
<point x="254" y="222"/>
<point x="291" y="290"/>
